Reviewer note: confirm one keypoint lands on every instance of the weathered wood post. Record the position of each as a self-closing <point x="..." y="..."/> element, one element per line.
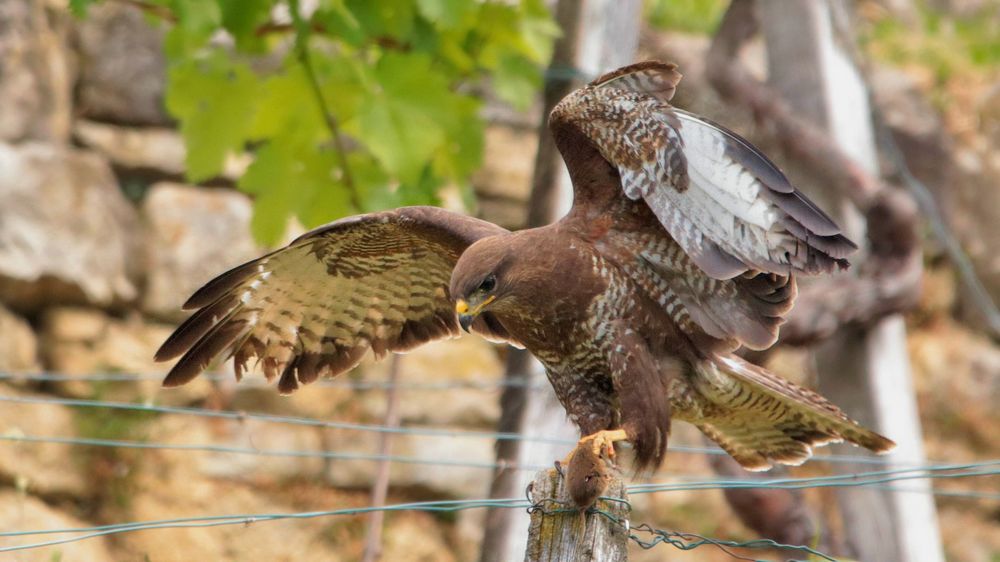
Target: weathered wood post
<point x="557" y="534"/>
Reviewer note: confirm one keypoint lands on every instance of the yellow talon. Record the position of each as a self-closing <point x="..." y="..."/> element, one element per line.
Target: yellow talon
<point x="602" y="441"/>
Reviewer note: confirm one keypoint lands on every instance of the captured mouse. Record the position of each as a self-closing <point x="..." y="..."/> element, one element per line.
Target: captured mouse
<point x="587" y="478"/>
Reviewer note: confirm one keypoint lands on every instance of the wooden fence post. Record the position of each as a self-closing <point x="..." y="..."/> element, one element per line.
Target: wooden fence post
<point x="559" y="535"/>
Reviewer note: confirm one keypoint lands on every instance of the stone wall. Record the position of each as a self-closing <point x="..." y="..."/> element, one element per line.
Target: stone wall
<point x="100" y="243"/>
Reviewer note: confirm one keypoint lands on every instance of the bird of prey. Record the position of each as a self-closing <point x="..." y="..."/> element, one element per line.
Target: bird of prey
<point x="682" y="245"/>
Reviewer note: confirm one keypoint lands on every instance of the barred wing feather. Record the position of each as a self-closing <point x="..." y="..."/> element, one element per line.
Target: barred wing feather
<point x="376" y="281"/>
<point x="728" y="206"/>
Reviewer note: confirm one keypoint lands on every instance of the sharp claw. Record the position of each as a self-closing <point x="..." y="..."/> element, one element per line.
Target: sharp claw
<point x="601" y="443"/>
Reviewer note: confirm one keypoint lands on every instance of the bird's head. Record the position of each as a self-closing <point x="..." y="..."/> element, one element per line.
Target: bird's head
<point x="481" y="279"/>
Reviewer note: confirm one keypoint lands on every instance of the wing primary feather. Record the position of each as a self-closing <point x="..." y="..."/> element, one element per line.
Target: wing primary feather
<point x="288" y="384"/>
<point x="308" y="367"/>
<point x="224" y="283"/>
<point x="201" y="354"/>
<point x="783" y="193"/>
<point x="241" y="351"/>
<point x="195" y="327"/>
<point x="344" y="359"/>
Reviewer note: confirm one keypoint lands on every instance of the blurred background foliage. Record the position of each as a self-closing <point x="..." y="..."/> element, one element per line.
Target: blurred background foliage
<point x="693" y="16"/>
<point x="350" y="106"/>
<point x="346" y="105"/>
<point x="956" y="52"/>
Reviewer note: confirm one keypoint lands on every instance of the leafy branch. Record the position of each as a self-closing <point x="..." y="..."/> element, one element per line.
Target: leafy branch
<point x="396" y="84"/>
<point x="302" y="31"/>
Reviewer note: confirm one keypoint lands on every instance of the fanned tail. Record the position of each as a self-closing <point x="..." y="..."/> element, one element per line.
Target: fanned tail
<point x="760" y="418"/>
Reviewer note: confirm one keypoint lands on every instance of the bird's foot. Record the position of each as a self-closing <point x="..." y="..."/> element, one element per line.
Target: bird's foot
<point x="602" y="442"/>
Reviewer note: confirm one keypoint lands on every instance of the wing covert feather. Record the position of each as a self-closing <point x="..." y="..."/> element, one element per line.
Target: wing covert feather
<point x="377" y="281"/>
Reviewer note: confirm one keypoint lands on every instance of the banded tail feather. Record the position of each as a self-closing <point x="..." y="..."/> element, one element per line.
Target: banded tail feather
<point x="760" y="418"/>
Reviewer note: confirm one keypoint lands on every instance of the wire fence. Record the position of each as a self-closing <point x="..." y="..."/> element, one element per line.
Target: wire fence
<point x="643" y="535"/>
<point x="681" y="540"/>
<point x="244" y="416"/>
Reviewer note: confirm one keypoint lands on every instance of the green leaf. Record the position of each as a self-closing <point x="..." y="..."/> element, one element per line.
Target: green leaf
<point x="291" y="177"/>
<point x="287" y="105"/>
<point x="451" y="46"/>
<point x="346" y="83"/>
<point x="444" y="13"/>
<point x="215" y="100"/>
<point x="79" y="7"/>
<point x="241" y="19"/>
<point x="516" y="80"/>
<point x="424" y="191"/>
<point x="400" y="77"/>
<point x="338" y="21"/>
<point x="327" y="198"/>
<point x="375" y="188"/>
<point x="528" y="32"/>
<point x="538" y="30"/>
<point x="271" y="210"/>
<point x="274" y="199"/>
<point x="197" y="21"/>
<point x="401" y="121"/>
<point x="384" y="19"/>
<point x="693" y="16"/>
<point x="462" y="152"/>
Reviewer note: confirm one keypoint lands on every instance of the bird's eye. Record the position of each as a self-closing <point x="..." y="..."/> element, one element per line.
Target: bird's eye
<point x="488" y="284"/>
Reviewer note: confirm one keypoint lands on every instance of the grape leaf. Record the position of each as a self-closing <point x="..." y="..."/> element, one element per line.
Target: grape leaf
<point x="401" y="80"/>
<point x="213" y="99"/>
<point x="293" y="177"/>
<point x="462" y="152"/>
<point x="516" y="80"/>
<point x="444" y="13"/>
<point x="400" y="121"/>
<point x="241" y="19"/>
<point x="196" y="22"/>
<point x="393" y="19"/>
<point x="287" y="105"/>
<point x="338" y="21"/>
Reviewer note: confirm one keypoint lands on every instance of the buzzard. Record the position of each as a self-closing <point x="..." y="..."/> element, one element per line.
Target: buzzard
<point x="683" y="244"/>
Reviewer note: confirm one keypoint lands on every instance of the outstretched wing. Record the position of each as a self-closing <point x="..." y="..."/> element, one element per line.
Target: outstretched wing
<point x="377" y="281"/>
<point x="728" y="206"/>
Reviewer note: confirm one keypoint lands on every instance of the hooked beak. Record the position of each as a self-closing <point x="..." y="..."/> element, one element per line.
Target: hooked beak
<point x="464" y="318"/>
<point x="467" y="315"/>
<point x="465" y="321"/>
